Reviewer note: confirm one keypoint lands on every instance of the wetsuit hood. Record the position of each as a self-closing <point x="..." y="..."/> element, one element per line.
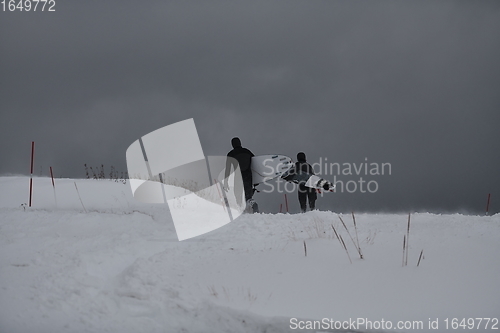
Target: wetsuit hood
<point x="301" y="157"/>
<point x="236" y="142"/>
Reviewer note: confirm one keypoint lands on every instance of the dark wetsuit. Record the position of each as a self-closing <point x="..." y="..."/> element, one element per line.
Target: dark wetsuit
<point x="306" y="192"/>
<point x="244" y="158"/>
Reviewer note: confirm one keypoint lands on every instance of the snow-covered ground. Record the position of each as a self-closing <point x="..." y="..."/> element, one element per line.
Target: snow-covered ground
<point x="108" y="263"/>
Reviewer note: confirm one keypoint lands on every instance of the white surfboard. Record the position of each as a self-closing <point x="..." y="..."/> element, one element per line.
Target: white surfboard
<point x="319" y="183"/>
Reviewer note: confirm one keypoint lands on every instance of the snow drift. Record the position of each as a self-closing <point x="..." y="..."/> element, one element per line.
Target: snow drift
<point x="99" y="261"/>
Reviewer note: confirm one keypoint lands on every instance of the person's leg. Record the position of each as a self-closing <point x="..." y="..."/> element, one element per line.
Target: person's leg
<point x="312" y="196"/>
<point x="252" y="206"/>
<point x="302" y="199"/>
<point x="247" y="184"/>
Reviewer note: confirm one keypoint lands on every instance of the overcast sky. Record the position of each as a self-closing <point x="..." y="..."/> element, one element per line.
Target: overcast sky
<point x="412" y="83"/>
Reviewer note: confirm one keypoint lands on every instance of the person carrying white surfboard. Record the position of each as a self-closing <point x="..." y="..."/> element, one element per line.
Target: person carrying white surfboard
<point x="305" y="193"/>
<point x="244" y="158"/>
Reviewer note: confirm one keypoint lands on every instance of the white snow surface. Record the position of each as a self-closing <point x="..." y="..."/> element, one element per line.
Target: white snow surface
<point x="114" y="264"/>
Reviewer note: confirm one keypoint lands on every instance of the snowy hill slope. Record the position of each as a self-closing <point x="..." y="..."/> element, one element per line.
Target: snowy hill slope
<point x="108" y="263"/>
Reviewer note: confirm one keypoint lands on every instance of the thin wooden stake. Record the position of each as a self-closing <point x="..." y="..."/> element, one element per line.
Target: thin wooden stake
<point x="357" y="239"/>
<point x="80" y="198"/>
<point x="52" y="176"/>
<point x="404" y="250"/>
<point x="286" y="203"/>
<point x="53" y="185"/>
<point x="488" y="204"/>
<point x="407" y="239"/>
<point x="305" y="249"/>
<point x="31" y="170"/>
<point x="421" y="252"/>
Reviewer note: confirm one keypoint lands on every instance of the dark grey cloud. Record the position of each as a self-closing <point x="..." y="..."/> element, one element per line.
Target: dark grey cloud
<point x="414" y="84"/>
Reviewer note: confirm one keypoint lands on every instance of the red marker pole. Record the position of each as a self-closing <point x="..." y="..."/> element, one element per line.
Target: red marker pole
<point x="31" y="171"/>
<point x="488" y="204"/>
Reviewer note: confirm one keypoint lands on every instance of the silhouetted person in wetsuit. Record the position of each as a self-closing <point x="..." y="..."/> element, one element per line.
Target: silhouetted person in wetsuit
<point x="244" y="158"/>
<point x="305" y="193"/>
